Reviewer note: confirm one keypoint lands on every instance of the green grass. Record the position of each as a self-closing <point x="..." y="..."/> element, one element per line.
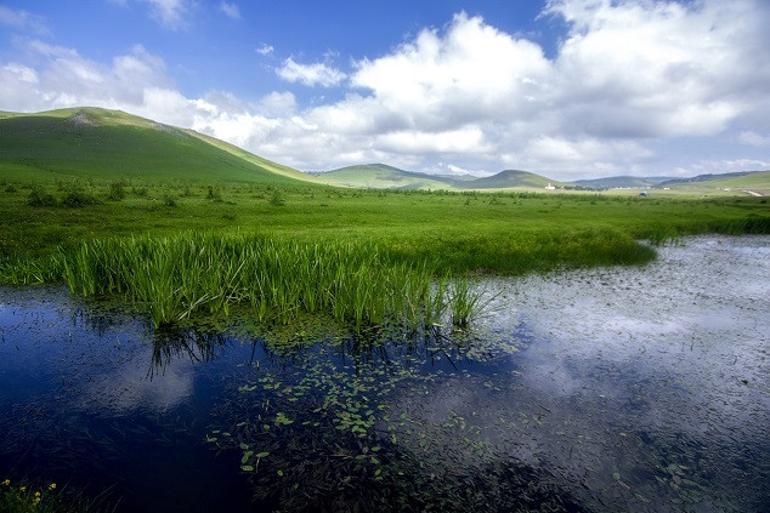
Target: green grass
<point x="510" y="233"/>
<point x="177" y="277"/>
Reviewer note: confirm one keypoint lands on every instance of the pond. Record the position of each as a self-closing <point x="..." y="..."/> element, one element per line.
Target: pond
<point x="626" y="389"/>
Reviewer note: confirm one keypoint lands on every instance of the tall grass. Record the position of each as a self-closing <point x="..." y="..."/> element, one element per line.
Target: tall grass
<point x="176" y="277"/>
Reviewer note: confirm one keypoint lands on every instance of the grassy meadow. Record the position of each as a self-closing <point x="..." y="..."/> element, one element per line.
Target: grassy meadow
<point x="181" y="223"/>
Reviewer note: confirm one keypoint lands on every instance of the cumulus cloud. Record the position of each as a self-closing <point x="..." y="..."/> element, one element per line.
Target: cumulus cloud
<point x="627" y="79"/>
<point x="310" y="74"/>
<point x="231" y="10"/>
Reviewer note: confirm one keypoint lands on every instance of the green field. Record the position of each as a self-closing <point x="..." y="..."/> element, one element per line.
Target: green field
<point x="65" y="180"/>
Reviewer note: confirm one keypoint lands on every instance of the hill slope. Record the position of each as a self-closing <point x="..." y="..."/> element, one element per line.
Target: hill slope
<point x="508" y="179"/>
<point x="100" y="143"/>
<point x="621" y="181"/>
<point x="754" y="181"/>
<point x="381" y="176"/>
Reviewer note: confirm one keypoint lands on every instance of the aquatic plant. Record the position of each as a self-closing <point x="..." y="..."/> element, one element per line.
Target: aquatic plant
<point x="179" y="276"/>
<point x="20" y="497"/>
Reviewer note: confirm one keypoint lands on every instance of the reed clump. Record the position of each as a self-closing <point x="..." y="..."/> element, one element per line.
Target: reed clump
<point x="179" y="276"/>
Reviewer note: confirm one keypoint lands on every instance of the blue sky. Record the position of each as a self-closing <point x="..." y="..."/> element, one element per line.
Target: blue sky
<point x="568" y="88"/>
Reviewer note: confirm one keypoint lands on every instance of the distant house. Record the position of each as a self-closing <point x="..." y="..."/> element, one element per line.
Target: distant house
<point x="550" y="187"/>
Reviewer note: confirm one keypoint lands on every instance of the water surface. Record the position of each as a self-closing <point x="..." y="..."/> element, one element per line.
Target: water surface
<point x="624" y="389"/>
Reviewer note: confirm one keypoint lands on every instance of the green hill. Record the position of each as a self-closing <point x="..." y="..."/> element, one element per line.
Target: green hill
<point x="747" y="182"/>
<point x="510" y="178"/>
<point x="100" y="143"/>
<point x="381" y="176"/>
<point x="613" y="182"/>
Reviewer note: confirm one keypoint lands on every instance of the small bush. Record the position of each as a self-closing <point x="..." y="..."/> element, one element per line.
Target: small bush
<point x="213" y="194"/>
<point x="169" y="201"/>
<point x="40" y="198"/>
<point x="139" y="191"/>
<point x="277" y="200"/>
<point x="78" y="199"/>
<point x="117" y="191"/>
<point x="10" y="188"/>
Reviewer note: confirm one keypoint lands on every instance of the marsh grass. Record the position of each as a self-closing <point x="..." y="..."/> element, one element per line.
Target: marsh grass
<point x="178" y="277"/>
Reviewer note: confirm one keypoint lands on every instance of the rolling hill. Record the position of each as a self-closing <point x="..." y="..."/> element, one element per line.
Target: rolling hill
<point x="613" y="182"/>
<point x="510" y="178"/>
<point x="382" y="176"/>
<point x="748" y="182"/>
<point x="101" y="143"/>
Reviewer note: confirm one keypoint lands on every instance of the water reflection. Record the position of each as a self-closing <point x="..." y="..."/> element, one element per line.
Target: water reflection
<point x="603" y="390"/>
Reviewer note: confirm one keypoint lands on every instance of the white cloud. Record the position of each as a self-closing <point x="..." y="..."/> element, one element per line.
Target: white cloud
<point x="724" y="166"/>
<point x="231" y="10"/>
<point x="626" y="82"/>
<point x="310" y="74"/>
<point x="265" y="49"/>
<point x="754" y="139"/>
<point x="277" y="104"/>
<point x="22" y="20"/>
<point x="172" y="14"/>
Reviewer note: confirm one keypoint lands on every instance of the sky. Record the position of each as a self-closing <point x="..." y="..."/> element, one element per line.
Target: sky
<point x="567" y="88"/>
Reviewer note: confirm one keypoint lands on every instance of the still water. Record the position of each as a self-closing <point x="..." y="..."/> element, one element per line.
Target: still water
<point x="626" y="389"/>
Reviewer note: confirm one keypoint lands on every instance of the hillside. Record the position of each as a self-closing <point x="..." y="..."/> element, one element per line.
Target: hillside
<point x="100" y="143"/>
<point x="613" y="182"/>
<point x="752" y="183"/>
<point x="510" y="178"/>
<point x="382" y="176"/>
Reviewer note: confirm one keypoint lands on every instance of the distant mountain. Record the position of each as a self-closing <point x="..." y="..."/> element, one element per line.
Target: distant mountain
<point x="91" y="142"/>
<point x="382" y="176"/>
<point x="510" y="178"/>
<point x="614" y="182"/>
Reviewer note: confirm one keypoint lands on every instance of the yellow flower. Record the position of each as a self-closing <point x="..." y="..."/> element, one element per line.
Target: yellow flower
<point x="7" y="482"/>
<point x="23" y="489"/>
<point x="52" y="486"/>
<point x="37" y="494"/>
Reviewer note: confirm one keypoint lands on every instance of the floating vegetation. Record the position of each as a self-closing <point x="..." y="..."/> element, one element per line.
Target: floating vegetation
<point x="321" y="435"/>
<point x="177" y="277"/>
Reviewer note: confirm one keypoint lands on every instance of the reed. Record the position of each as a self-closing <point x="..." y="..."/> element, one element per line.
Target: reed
<point x="177" y="277"/>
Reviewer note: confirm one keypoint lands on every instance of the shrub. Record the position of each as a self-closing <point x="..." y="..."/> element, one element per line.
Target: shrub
<point x="213" y="194"/>
<point x="277" y="200"/>
<point x="169" y="201"/>
<point x="40" y="198"/>
<point x="10" y="188"/>
<point x="78" y="199"/>
<point x="117" y="191"/>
